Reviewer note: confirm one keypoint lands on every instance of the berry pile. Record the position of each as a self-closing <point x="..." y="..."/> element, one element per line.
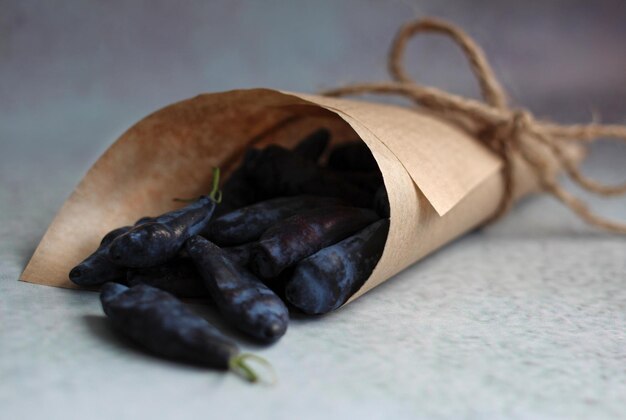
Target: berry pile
<point x="284" y="231"/>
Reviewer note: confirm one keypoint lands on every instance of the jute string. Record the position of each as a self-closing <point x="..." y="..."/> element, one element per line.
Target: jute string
<point x="508" y="132"/>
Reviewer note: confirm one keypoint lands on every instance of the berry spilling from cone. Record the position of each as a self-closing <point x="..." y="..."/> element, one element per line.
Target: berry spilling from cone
<point x="298" y="229"/>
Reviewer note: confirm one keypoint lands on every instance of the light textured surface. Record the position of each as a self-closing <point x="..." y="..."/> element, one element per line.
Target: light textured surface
<point x="524" y="319"/>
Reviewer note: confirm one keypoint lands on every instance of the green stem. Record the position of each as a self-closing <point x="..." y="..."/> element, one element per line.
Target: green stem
<point x="238" y="365"/>
<point x="216" y="193"/>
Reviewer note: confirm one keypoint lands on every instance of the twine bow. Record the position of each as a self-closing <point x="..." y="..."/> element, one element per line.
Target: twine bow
<point x="506" y="131"/>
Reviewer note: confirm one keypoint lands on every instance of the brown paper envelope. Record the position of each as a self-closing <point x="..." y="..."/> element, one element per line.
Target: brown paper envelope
<point x="441" y="182"/>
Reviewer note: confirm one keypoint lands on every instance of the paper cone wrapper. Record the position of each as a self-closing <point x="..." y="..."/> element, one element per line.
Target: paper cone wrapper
<point x="441" y="182"/>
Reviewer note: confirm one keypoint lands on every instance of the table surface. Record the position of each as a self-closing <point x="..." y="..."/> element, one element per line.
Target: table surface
<point x="526" y="318"/>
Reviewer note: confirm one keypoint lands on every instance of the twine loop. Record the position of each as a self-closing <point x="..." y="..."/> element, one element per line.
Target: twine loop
<point x="509" y="133"/>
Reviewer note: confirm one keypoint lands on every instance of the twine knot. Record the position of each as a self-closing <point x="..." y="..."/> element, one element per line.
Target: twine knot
<point x="509" y="133"/>
<point x="505" y="134"/>
<point x="520" y="118"/>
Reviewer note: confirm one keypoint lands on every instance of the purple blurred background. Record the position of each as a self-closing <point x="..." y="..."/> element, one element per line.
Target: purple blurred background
<point x="104" y="64"/>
